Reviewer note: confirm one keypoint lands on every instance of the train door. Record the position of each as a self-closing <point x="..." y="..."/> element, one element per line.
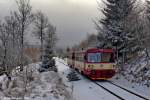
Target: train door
<point x="85" y="60"/>
<point x="73" y="59"/>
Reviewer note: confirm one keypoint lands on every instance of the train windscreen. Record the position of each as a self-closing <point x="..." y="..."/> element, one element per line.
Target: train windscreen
<point x="94" y="57"/>
<point x="108" y="57"/>
<point x="100" y="57"/>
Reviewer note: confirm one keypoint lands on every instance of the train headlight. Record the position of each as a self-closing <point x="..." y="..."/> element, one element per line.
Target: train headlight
<point x="101" y="66"/>
<point x="90" y="66"/>
<point x="93" y="72"/>
<point x="114" y="66"/>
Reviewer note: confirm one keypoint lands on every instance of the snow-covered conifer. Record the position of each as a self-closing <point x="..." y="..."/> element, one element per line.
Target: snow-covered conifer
<point x="113" y="28"/>
<point x="48" y="63"/>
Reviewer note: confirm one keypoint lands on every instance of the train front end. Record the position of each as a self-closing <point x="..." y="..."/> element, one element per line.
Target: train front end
<point x="100" y="64"/>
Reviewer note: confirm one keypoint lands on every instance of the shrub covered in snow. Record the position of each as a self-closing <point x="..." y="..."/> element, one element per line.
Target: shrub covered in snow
<point x="48" y="65"/>
<point x="32" y="85"/>
<point x="72" y="76"/>
<point x="138" y="71"/>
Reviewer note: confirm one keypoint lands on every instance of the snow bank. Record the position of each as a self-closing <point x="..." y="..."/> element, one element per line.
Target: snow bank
<point x="136" y="75"/>
<point x="32" y="85"/>
<point x="83" y="89"/>
<point x="138" y="71"/>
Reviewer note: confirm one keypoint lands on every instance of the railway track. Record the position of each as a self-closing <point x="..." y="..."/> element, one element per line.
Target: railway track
<point x="141" y="96"/>
<point x="120" y="92"/>
<point x="119" y="97"/>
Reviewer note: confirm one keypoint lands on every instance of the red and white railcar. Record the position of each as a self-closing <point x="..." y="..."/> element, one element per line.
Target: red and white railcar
<point x="94" y="63"/>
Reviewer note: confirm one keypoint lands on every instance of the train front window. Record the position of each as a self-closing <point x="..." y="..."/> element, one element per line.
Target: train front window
<point x="107" y="57"/>
<point x="94" y="57"/>
<point x="100" y="57"/>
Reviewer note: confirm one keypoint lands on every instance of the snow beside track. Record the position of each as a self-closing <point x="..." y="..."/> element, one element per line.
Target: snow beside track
<point x="85" y="89"/>
<point x="141" y="89"/>
<point x="122" y="93"/>
<point x="55" y="86"/>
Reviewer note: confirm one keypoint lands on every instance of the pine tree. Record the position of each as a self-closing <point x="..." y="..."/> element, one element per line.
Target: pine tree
<point x="72" y="76"/>
<point x="145" y="36"/>
<point x="48" y="63"/>
<point x="113" y="28"/>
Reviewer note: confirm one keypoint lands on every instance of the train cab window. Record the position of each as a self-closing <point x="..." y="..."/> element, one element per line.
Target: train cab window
<point x="107" y="57"/>
<point x="94" y="57"/>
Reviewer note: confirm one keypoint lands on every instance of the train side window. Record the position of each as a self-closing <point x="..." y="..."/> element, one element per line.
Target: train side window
<point x="107" y="57"/>
<point x="73" y="56"/>
<point x="112" y="58"/>
<point x="85" y="57"/>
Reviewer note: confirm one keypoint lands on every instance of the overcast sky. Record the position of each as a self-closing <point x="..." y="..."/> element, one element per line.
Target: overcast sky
<point x="72" y="18"/>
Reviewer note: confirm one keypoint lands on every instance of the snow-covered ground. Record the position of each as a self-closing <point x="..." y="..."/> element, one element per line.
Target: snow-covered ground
<point x="55" y="86"/>
<point x="136" y="75"/>
<point x="138" y="71"/>
<point x="144" y="90"/>
<point x="84" y="89"/>
<point x="40" y="86"/>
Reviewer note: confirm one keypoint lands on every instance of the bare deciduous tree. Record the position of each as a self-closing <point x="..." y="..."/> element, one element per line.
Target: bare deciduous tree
<point x="25" y="18"/>
<point x="8" y="37"/>
<point x="11" y="27"/>
<point x="41" y="25"/>
<point x="4" y="37"/>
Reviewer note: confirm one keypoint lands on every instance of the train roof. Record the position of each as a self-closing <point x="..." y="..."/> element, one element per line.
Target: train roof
<point x="100" y="50"/>
<point x="94" y="50"/>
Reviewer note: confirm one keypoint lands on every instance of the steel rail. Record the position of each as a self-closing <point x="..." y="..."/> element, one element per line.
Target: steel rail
<point x="138" y="95"/>
<point x="110" y="91"/>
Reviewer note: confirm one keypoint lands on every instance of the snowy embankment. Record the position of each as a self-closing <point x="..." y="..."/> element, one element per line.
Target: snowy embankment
<point x="85" y="89"/>
<point x="135" y="87"/>
<point x="33" y="85"/>
<point x="138" y="71"/>
<point x="136" y="75"/>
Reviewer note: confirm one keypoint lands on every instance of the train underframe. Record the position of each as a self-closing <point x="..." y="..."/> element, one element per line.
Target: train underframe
<point x="100" y="74"/>
<point x="103" y="74"/>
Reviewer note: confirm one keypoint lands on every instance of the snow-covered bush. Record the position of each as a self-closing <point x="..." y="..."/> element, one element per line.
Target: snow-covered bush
<point x="41" y="86"/>
<point x="48" y="63"/>
<point x="138" y="71"/>
<point x="72" y="76"/>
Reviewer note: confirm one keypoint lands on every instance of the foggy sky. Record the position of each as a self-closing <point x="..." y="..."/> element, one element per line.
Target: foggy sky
<point x="72" y="18"/>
